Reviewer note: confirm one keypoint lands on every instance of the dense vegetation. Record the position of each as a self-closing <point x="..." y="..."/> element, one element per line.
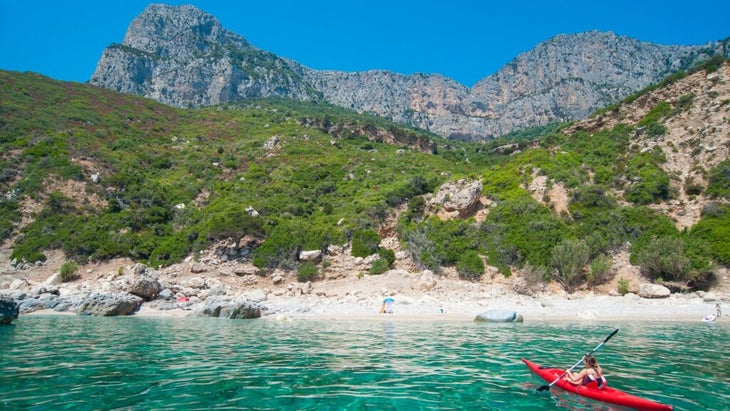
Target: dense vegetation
<point x="287" y="177"/>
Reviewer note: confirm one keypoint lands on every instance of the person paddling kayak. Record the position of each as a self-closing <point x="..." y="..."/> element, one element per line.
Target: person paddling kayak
<point x="590" y="373"/>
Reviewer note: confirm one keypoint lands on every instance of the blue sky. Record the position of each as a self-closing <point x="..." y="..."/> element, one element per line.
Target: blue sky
<point x="462" y="39"/>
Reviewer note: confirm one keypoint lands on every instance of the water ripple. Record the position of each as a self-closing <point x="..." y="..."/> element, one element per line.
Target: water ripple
<point x="84" y="363"/>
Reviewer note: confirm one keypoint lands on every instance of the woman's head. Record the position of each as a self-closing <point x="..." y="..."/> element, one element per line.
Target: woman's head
<point x="590" y="360"/>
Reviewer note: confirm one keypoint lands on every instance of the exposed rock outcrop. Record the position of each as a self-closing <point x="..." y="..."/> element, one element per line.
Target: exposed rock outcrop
<point x="648" y="290"/>
<point x="107" y="304"/>
<point x="8" y="310"/>
<point x="182" y="56"/>
<point x="229" y="309"/>
<point x="146" y="287"/>
<point x="457" y="199"/>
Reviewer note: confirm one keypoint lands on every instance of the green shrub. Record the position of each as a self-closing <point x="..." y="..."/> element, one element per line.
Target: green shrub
<point x="379" y="266"/>
<point x="233" y="223"/>
<point x="416" y="206"/>
<point x="651" y="184"/>
<point x="451" y="238"/>
<point x="661" y="110"/>
<point x="569" y="258"/>
<point x="673" y="258"/>
<point x="435" y="243"/>
<point x="710" y="65"/>
<point x="664" y="258"/>
<point x="521" y="230"/>
<point x="423" y="250"/>
<point x="365" y="243"/>
<point x="600" y="271"/>
<point x="307" y="271"/>
<point x="470" y="266"/>
<point x="719" y="180"/>
<point x="170" y="249"/>
<point x="714" y="227"/>
<point x="656" y="130"/>
<point x="693" y="189"/>
<point x="388" y="255"/>
<point x="280" y="249"/>
<point x="684" y="103"/>
<point x="623" y="286"/>
<point x="535" y="277"/>
<point x="69" y="271"/>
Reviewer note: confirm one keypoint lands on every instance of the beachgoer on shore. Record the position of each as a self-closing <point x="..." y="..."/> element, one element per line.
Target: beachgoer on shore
<point x="714" y="316"/>
<point x="387" y="307"/>
<point x="591" y="372"/>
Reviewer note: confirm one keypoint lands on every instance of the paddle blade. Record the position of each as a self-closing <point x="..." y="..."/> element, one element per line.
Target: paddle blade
<point x="544" y="388"/>
<point x="611" y="335"/>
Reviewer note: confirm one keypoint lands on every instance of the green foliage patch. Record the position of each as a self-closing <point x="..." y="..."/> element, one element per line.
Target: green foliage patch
<point x="470" y="266"/>
<point x="719" y="181"/>
<point x="69" y="271"/>
<point x="284" y="176"/>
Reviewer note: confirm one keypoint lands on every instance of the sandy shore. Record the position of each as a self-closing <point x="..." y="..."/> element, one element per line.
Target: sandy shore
<point x="593" y="308"/>
<point x="585" y="309"/>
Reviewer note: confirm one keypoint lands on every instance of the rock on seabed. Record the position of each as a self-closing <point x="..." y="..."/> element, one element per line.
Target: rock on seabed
<point x="499" y="316"/>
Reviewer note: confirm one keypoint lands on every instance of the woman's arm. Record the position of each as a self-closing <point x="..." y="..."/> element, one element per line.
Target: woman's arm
<point x="576" y="378"/>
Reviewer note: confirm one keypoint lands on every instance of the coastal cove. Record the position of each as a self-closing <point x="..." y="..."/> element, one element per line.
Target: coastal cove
<point x="139" y="362"/>
<point x="345" y="295"/>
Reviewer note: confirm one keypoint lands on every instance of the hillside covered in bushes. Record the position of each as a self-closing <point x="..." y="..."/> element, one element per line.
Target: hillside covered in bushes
<point x="99" y="174"/>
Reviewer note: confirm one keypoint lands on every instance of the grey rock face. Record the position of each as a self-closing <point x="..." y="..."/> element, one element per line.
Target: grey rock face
<point x="229" y="309"/>
<point x="461" y="197"/>
<point x="8" y="310"/>
<point x="183" y="57"/>
<point x="146" y="288"/>
<point x="108" y="304"/>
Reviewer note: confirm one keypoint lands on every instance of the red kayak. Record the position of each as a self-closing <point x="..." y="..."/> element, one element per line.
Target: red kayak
<point x="605" y="394"/>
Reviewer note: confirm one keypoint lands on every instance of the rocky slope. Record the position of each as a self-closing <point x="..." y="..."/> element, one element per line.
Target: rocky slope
<point x="182" y="56"/>
<point x="697" y="137"/>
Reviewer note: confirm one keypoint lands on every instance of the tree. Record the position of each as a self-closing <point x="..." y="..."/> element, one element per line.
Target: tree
<point x="569" y="258"/>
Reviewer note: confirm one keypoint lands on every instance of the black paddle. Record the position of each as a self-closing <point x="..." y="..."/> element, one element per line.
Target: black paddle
<point x="547" y="387"/>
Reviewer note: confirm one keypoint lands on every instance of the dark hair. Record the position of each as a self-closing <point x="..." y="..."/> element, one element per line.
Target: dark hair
<point x="590" y="360"/>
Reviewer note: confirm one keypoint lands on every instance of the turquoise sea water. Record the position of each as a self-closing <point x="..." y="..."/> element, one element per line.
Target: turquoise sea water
<point x="135" y="363"/>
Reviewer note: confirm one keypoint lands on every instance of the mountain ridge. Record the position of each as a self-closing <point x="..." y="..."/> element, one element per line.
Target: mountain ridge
<point x="182" y="56"/>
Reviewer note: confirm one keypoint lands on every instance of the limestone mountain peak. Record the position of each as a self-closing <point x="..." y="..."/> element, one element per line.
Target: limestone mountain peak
<point x="161" y="28"/>
<point x="182" y="56"/>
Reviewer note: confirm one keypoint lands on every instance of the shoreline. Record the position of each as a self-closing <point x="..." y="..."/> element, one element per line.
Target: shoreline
<point x="349" y="296"/>
<point x="676" y="308"/>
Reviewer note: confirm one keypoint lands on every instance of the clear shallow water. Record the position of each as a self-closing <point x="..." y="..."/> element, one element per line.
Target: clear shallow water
<point x="130" y="363"/>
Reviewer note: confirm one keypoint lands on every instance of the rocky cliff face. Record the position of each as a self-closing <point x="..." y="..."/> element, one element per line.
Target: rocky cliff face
<point x="184" y="57"/>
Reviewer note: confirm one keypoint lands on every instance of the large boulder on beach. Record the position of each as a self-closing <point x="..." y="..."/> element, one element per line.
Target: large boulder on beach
<point x="648" y="290"/>
<point x="146" y="287"/>
<point x="499" y="316"/>
<point x="229" y="309"/>
<point x="108" y="304"/>
<point x="8" y="310"/>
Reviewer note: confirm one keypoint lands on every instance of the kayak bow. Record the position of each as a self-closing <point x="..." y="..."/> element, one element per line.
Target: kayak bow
<point x="606" y="394"/>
